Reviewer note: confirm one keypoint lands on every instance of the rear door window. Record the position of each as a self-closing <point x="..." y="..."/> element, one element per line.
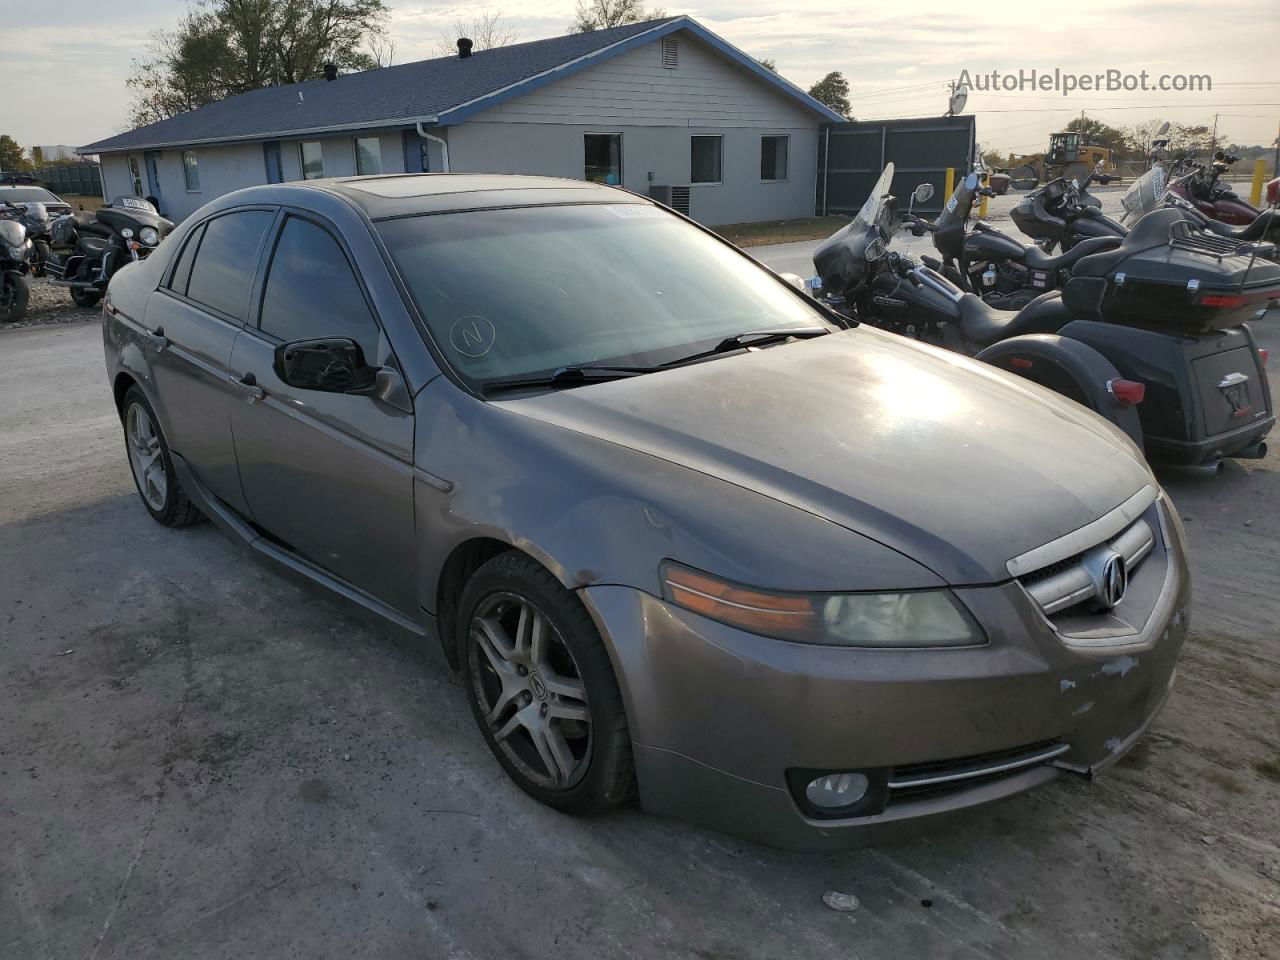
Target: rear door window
<point x="312" y="291"/>
<point x="224" y="266"/>
<point x="182" y="272"/>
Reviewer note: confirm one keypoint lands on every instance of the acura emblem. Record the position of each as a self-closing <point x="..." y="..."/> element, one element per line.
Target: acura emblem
<point x="1115" y="580"/>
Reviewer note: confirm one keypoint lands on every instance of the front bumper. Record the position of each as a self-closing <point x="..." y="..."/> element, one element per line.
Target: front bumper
<point x="718" y="715"/>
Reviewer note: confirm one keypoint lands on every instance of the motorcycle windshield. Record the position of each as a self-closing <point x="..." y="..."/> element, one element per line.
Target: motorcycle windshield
<point x="12" y="234"/>
<point x="948" y="229"/>
<point x="38" y="212"/>
<point x="1145" y="194"/>
<point x="873" y="207"/>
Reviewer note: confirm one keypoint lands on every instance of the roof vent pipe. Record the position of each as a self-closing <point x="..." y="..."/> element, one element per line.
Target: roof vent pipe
<point x="464" y="47"/>
<point x="331" y="71"/>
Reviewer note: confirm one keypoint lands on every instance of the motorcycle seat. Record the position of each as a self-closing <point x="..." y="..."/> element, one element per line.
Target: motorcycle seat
<point x="1153" y="230"/>
<point x="1263" y="222"/>
<point x="88" y="223"/>
<point x="1037" y="259"/>
<point x="983" y="325"/>
<point x="94" y="246"/>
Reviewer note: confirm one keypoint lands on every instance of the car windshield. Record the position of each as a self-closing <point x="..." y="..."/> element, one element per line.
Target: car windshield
<point x="522" y="292"/>
<point x="27" y="194"/>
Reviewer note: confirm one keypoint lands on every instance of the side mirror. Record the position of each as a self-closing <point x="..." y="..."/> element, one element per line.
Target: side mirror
<point x="923" y="192"/>
<point x="331" y="364"/>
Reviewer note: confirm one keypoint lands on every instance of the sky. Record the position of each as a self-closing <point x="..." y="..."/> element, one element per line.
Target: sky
<point x="897" y="57"/>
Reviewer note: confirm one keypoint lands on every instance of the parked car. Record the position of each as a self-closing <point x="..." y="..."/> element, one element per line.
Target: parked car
<point x="21" y="195"/>
<point x="682" y="530"/>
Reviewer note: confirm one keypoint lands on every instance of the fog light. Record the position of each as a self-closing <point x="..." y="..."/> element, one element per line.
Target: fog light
<point x="836" y="790"/>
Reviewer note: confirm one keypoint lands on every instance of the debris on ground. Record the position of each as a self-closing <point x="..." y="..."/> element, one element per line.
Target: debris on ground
<point x="843" y="902"/>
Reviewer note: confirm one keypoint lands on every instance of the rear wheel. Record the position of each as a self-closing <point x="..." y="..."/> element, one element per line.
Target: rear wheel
<point x="152" y="467"/>
<point x="15" y="291"/>
<point x="86" y="296"/>
<point x="542" y="688"/>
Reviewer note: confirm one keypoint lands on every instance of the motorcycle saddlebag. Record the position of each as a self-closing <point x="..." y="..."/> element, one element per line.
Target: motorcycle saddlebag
<point x="1171" y="276"/>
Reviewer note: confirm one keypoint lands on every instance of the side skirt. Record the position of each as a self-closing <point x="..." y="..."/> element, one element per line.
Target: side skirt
<point x="234" y="526"/>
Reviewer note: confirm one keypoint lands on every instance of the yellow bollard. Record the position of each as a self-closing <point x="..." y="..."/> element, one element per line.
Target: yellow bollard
<point x="1259" y="174"/>
<point x="982" y="207"/>
<point x="951" y="184"/>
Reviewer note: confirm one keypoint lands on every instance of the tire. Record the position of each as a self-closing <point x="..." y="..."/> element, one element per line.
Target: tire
<point x="15" y="291"/>
<point x="163" y="496"/>
<point x="86" y="297"/>
<point x="564" y="694"/>
<point x="1076" y="170"/>
<point x="1026" y="172"/>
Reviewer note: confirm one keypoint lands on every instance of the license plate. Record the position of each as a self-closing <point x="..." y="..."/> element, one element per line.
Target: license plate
<point x="1235" y="390"/>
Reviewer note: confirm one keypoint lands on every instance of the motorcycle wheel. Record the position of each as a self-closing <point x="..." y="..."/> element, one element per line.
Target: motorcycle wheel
<point x="15" y="291"/>
<point x="86" y="296"/>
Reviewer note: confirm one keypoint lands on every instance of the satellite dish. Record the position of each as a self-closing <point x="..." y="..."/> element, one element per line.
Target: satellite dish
<point x="959" y="97"/>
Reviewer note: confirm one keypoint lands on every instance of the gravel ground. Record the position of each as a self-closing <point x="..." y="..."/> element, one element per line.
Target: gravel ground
<point x="51" y="305"/>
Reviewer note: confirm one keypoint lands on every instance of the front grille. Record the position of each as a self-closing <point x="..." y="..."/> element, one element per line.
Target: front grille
<point x="1072" y="581"/>
<point x="919" y="781"/>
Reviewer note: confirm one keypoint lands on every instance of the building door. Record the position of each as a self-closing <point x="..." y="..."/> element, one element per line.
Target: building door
<point x="271" y="157"/>
<point x="153" y="175"/>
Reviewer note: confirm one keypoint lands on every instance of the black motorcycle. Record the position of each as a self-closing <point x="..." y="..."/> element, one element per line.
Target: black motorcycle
<point x="1062" y="213"/>
<point x="34" y="216"/>
<point x="88" y="248"/>
<point x="1149" y="334"/>
<point x="15" y="269"/>
<point x="1005" y="273"/>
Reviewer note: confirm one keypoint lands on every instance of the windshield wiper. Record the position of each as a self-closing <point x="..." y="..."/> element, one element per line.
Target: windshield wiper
<point x="752" y="338"/>
<point x="572" y="376"/>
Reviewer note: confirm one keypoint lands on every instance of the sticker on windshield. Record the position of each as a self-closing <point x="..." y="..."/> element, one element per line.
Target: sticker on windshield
<point x="472" y="336"/>
<point x="636" y="211"/>
<point x="952" y="204"/>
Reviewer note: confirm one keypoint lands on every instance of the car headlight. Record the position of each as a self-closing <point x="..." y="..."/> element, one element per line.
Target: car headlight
<point x="149" y="235"/>
<point x="916" y="618"/>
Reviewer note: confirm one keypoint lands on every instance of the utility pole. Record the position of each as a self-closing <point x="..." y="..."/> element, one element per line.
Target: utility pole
<point x="1213" y="140"/>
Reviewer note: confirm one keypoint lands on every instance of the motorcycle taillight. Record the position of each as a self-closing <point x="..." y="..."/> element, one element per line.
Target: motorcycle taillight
<point x="1233" y="301"/>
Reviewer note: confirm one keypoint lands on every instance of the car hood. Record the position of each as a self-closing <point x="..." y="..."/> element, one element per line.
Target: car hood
<point x="952" y="462"/>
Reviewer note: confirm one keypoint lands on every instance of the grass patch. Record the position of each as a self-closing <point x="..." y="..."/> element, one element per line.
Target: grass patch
<point x="780" y="231"/>
<point x="1269" y="768"/>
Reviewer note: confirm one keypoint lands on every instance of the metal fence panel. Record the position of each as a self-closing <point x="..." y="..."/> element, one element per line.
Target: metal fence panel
<point x="852" y="154"/>
<point x="81" y="179"/>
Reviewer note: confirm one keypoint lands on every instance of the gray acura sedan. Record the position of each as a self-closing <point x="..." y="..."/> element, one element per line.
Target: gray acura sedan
<point x="685" y="535"/>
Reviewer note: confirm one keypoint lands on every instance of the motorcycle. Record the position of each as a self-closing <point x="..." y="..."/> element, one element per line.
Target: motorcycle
<point x="88" y="249"/>
<point x="1062" y="213"/>
<point x="1003" y="272"/>
<point x="1151" y="191"/>
<point x="15" y="285"/>
<point x="34" y="216"/>
<point x="1150" y="334"/>
<point x="1202" y="187"/>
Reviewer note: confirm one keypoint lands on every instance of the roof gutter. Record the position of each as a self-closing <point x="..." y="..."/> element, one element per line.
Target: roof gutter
<point x="444" y="146"/>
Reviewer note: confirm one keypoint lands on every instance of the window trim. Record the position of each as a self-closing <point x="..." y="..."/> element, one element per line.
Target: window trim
<point x="135" y="175"/>
<point x="786" y="154"/>
<point x="622" y="171"/>
<point x="706" y="183"/>
<point x="186" y="171"/>
<point x="355" y="155"/>
<point x="302" y="162"/>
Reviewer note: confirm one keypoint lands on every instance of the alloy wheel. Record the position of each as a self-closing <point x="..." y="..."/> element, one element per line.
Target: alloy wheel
<point x="145" y="457"/>
<point x="530" y="691"/>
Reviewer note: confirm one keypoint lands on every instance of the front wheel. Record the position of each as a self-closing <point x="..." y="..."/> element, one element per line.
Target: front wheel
<point x="86" y="297"/>
<point x="15" y="291"/>
<point x="542" y="688"/>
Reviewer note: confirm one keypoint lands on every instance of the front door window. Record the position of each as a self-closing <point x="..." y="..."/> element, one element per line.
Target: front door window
<point x="603" y="153"/>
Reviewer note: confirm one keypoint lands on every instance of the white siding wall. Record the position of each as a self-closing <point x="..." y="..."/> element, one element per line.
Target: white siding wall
<point x="656" y="110"/>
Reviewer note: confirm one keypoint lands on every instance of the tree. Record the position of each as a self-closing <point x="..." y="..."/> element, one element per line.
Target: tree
<point x="832" y="90"/>
<point x="485" y="31"/>
<point x="12" y="157"/>
<point x="224" y="47"/>
<point x="602" y="14"/>
<point x="769" y="64"/>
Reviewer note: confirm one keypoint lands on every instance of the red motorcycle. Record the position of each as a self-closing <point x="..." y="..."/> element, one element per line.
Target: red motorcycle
<point x="1203" y="188"/>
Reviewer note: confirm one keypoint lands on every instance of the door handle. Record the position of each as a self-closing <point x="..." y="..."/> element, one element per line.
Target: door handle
<point x="157" y="338"/>
<point x="248" y="384"/>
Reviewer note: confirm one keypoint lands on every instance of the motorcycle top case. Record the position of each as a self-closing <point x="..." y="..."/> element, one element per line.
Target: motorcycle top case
<point x="1171" y="276"/>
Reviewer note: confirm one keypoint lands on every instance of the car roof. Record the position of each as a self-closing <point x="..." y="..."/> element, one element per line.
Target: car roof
<point x="411" y="194"/>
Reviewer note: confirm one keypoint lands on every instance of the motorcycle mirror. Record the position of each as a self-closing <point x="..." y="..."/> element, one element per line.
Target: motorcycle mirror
<point x="971" y="181"/>
<point x="874" y="249"/>
<point x="923" y="192"/>
<point x="1219" y="156"/>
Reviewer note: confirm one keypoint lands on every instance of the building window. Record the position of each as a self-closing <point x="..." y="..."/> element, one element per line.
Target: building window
<point x="773" y="157"/>
<point x="704" y="159"/>
<point x="135" y="177"/>
<point x="312" y="159"/>
<point x="603" y="155"/>
<point x="368" y="155"/>
<point x="191" y="170"/>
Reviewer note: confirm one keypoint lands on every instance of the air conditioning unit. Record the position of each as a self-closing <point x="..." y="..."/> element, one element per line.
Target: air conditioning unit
<point x="677" y="198"/>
